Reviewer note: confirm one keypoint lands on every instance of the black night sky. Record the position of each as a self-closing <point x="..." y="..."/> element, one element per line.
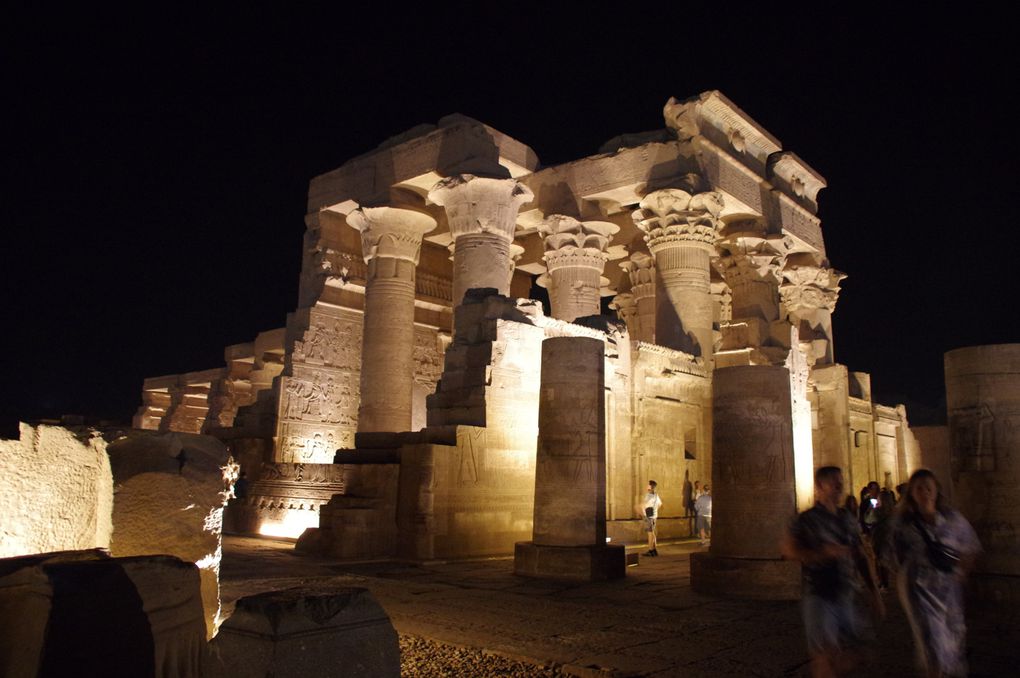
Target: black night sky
<point x="155" y="168"/>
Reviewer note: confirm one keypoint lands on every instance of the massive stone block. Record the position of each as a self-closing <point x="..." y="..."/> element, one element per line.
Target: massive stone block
<point x="298" y="633"/>
<point x="56" y="492"/>
<point x="170" y="489"/>
<point x="85" y="614"/>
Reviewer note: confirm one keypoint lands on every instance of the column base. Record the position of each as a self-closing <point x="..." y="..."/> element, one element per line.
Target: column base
<point x="750" y="578"/>
<point x="572" y="563"/>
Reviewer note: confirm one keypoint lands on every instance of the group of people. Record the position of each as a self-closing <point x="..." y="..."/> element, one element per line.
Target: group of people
<point x="699" y="505"/>
<point x="845" y="547"/>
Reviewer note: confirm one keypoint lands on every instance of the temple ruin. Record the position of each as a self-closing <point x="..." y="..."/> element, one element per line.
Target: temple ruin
<point x="397" y="412"/>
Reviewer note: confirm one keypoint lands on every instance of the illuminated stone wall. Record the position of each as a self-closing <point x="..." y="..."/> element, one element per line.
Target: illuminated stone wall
<point x="169" y="494"/>
<point x="56" y="492"/>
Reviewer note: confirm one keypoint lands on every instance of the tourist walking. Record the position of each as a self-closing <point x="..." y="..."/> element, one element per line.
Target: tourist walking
<point x="826" y="540"/>
<point x="934" y="548"/>
<point x="649" y="511"/>
<point x="703" y="506"/>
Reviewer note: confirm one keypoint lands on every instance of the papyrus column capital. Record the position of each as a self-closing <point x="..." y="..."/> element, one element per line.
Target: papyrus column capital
<point x="390" y="232"/>
<point x="480" y="204"/>
<point x="673" y="217"/>
<point x="810" y="287"/>
<point x="575" y="255"/>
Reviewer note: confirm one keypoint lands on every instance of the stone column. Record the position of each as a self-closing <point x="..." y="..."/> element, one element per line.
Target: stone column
<point x="641" y="269"/>
<point x="391" y="243"/>
<point x="809" y="295"/>
<point x="569" y="538"/>
<point x="575" y="255"/>
<point x="482" y="213"/>
<point x="753" y="488"/>
<point x="983" y="403"/>
<point x="681" y="230"/>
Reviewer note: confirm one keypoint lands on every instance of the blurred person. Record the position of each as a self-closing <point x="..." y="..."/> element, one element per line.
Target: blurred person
<point x="704" y="508"/>
<point x="826" y="540"/>
<point x="934" y="548"/>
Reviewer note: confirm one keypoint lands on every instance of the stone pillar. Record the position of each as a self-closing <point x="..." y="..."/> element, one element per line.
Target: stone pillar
<point x="641" y="269"/>
<point x="575" y="255"/>
<point x="482" y="214"/>
<point x="983" y="403"/>
<point x="753" y="488"/>
<point x="809" y="295"/>
<point x="569" y="538"/>
<point x="681" y="230"/>
<point x="391" y="243"/>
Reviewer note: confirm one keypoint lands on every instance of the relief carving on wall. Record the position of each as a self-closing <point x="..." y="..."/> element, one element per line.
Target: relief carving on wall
<point x="330" y="341"/>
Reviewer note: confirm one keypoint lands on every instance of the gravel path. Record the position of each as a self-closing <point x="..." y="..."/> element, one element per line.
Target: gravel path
<point x="423" y="658"/>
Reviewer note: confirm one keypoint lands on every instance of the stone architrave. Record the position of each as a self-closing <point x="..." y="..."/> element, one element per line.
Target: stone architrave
<point x="82" y="613"/>
<point x="753" y="485"/>
<point x="983" y="407"/>
<point x="56" y="492"/>
<point x="575" y="256"/>
<point x="640" y="268"/>
<point x="294" y="633"/>
<point x="391" y="244"/>
<point x="809" y="295"/>
<point x="482" y="214"/>
<point x="681" y="229"/>
<point x="569" y="537"/>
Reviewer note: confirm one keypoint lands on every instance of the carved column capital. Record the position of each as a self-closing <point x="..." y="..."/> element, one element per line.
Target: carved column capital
<point x="575" y="254"/>
<point x="390" y="232"/>
<point x="745" y="258"/>
<point x="810" y="287"/>
<point x="675" y="218"/>
<point x="572" y="243"/>
<point x="640" y="268"/>
<point x="625" y="306"/>
<point x="481" y="205"/>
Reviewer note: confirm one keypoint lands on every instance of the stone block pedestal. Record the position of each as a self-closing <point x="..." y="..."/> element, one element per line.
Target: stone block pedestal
<point x="752" y="578"/>
<point x="574" y="563"/>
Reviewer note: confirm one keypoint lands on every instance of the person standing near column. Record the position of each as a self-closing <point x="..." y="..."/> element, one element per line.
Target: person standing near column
<point x="649" y="511"/>
<point x="703" y="507"/>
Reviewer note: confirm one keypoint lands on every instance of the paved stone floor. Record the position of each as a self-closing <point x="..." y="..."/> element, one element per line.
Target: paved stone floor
<point x="649" y="624"/>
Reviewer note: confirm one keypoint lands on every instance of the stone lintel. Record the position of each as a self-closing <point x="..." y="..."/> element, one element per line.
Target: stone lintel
<point x="462" y="145"/>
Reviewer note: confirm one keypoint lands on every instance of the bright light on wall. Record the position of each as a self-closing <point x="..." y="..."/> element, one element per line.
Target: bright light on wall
<point x="291" y="526"/>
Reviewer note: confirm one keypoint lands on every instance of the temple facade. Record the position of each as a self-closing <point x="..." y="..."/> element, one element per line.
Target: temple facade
<point x="397" y="412"/>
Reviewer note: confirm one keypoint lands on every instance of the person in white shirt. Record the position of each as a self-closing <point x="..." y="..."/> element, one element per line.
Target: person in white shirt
<point x="703" y="508"/>
<point x="649" y="510"/>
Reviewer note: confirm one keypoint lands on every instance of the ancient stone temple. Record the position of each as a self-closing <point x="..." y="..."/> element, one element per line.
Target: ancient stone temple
<point x="693" y="253"/>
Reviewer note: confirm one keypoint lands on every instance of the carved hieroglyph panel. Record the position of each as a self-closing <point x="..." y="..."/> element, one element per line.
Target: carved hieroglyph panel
<point x="331" y="341"/>
<point x="429" y="349"/>
<point x="311" y="443"/>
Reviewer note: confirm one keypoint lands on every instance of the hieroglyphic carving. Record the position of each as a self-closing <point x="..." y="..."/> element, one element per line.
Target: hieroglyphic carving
<point x="329" y="398"/>
<point x="428" y="358"/>
<point x="973" y="431"/>
<point x="330" y="341"/>
<point x="759" y="428"/>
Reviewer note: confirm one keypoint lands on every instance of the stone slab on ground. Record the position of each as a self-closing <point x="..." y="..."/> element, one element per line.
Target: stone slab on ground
<point x="302" y="632"/>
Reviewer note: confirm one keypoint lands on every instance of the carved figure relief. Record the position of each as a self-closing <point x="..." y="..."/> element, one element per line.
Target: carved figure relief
<point x="330" y="341"/>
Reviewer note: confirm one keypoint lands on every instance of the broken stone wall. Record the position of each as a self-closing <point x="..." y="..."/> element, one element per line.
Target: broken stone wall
<point x="169" y="493"/>
<point x="56" y="492"/>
